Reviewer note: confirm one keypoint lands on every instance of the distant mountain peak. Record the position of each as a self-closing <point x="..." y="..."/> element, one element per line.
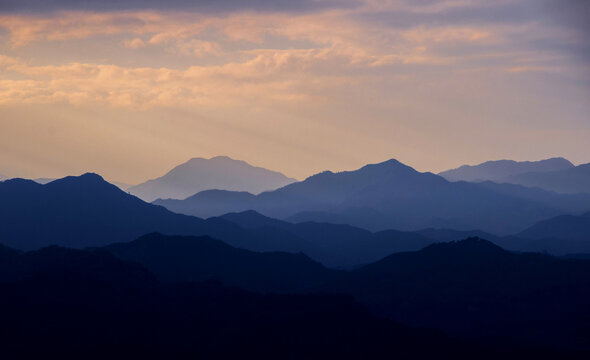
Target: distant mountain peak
<point x="201" y="174"/>
<point x="218" y="158"/>
<point x="389" y="164"/>
<point x="224" y="157"/>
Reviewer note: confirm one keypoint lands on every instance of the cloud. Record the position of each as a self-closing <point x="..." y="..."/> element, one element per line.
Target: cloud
<point x="248" y="57"/>
<point x="265" y="78"/>
<point x="209" y="6"/>
<point x="135" y="43"/>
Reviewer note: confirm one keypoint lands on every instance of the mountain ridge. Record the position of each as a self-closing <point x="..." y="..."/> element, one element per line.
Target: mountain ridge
<point x="501" y="170"/>
<point x="391" y="195"/>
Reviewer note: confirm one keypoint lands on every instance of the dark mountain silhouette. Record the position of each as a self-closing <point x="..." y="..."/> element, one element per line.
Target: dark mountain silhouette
<point x="73" y="304"/>
<point x="198" y="174"/>
<point x="500" y="170"/>
<point x="121" y="185"/>
<point x="334" y="245"/>
<point x="563" y="235"/>
<point x="561" y="227"/>
<point x="449" y="235"/>
<point x="577" y="256"/>
<point x="560" y="235"/>
<point x="558" y="245"/>
<point x="389" y="195"/>
<point x="54" y="262"/>
<point x="195" y="259"/>
<point x="87" y="211"/>
<point x="568" y="181"/>
<point x="475" y="288"/>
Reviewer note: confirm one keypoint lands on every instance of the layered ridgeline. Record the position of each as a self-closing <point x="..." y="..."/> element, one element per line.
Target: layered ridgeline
<point x="467" y="288"/>
<point x="74" y="304"/>
<point x="562" y="235"/>
<point x="569" y="181"/>
<point x="194" y="259"/>
<point x="87" y="211"/>
<point x="557" y="174"/>
<point x="200" y="174"/>
<point x="475" y="288"/>
<point x="392" y="195"/>
<point x="121" y="185"/>
<point x="501" y="171"/>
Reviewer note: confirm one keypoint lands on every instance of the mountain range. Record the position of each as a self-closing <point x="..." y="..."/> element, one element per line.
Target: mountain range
<point x="87" y="211"/>
<point x="391" y="195"/>
<point x="72" y="304"/>
<point x="198" y="174"/>
<point x="196" y="259"/>
<point x="475" y="288"/>
<point x="562" y="227"/>
<point x="556" y="174"/>
<point x="501" y="170"/>
<point x="471" y="289"/>
<point x="569" y="181"/>
<point x="314" y="269"/>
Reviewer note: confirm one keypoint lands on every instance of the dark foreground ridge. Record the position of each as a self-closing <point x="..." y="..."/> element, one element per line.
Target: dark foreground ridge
<point x="469" y="288"/>
<point x="88" y="304"/>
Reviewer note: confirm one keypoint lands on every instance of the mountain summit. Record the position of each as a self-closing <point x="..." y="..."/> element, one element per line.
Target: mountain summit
<point x="199" y="174"/>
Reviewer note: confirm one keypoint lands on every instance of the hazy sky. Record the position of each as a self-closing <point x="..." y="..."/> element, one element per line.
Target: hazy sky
<point x="130" y="89"/>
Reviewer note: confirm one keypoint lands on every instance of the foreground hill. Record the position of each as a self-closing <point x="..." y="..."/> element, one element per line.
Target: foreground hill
<point x="72" y="304"/>
<point x="200" y="174"/>
<point x="469" y="288"/>
<point x="384" y="196"/>
<point x="475" y="288"/>
<point x="501" y="170"/>
<point x="195" y="259"/>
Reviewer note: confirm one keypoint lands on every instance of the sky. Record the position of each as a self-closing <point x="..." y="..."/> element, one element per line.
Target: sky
<point x="130" y="89"/>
